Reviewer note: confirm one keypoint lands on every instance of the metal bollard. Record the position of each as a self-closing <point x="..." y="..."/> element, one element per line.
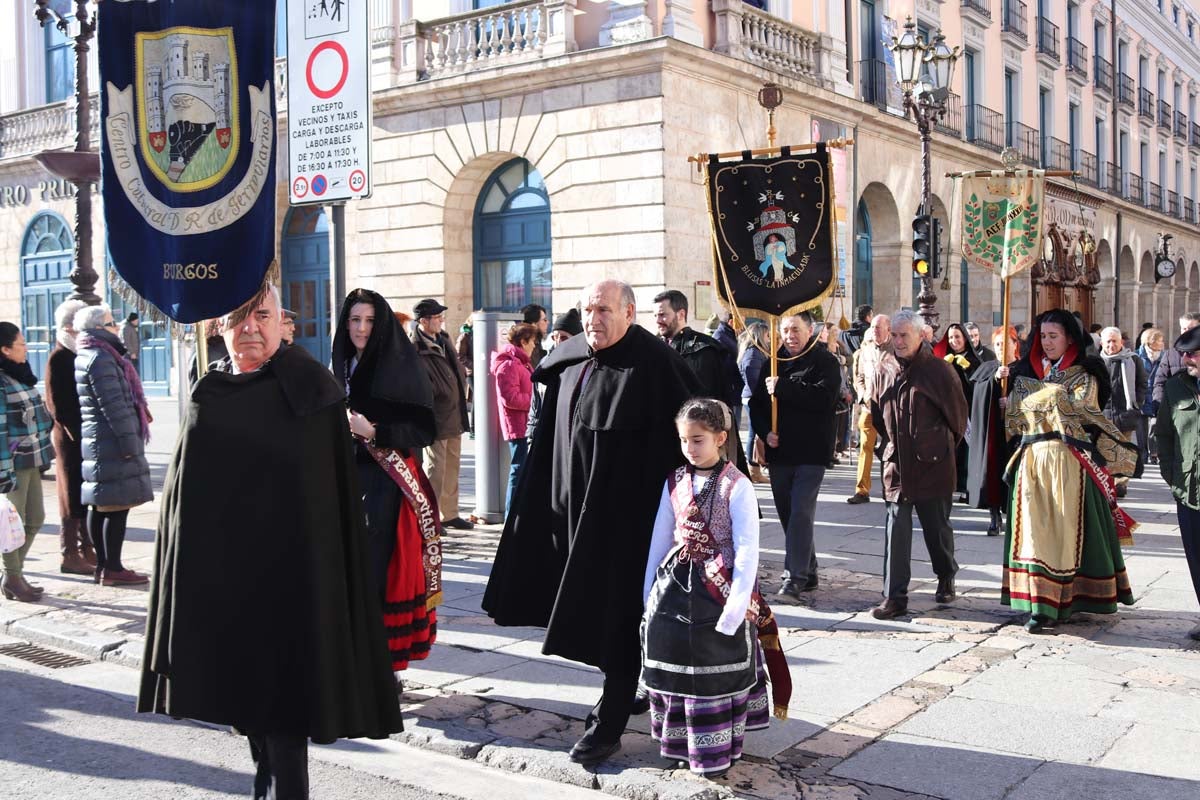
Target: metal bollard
<point x="489" y="331"/>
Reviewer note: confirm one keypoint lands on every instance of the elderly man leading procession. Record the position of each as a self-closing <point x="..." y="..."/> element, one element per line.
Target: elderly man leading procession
<point x="626" y="422"/>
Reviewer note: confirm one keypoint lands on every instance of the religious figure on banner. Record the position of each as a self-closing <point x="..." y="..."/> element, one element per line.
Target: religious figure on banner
<point x="773" y="231"/>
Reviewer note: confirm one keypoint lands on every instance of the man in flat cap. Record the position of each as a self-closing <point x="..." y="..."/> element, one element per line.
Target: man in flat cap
<point x="287" y="329"/>
<point x="444" y="457"/>
<point x="1178" y="436"/>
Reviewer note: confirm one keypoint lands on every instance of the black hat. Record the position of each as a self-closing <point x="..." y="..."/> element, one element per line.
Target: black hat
<point x="292" y="315"/>
<point x="1188" y="341"/>
<point x="569" y="322"/>
<point x="428" y="308"/>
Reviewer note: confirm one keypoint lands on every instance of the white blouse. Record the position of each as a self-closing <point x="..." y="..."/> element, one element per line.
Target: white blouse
<point x="743" y="509"/>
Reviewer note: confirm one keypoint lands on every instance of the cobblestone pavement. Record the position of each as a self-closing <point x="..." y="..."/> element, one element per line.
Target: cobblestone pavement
<point x="957" y="702"/>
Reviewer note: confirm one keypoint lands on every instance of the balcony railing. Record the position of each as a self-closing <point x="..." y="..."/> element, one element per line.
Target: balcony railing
<point x="1195" y="139"/>
<point x="1146" y="103"/>
<point x="951" y="122"/>
<point x="1134" y="189"/>
<point x="1112" y="178"/>
<point x="980" y="7"/>
<point x="1181" y="126"/>
<point x="48" y="127"/>
<point x="765" y="40"/>
<point x="1047" y="39"/>
<point x="1173" y="203"/>
<point x="1056" y="154"/>
<point x="1189" y="209"/>
<point x="873" y="82"/>
<point x="1077" y="56"/>
<point x="1102" y="74"/>
<point x="985" y="127"/>
<point x="1154" y="196"/>
<point x="1089" y="169"/>
<point x="1016" y="19"/>
<point x="1165" y="116"/>
<point x="1125" y="92"/>
<point x="1025" y="140"/>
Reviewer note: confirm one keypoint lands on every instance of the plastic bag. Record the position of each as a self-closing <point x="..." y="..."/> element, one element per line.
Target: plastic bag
<point x="12" y="531"/>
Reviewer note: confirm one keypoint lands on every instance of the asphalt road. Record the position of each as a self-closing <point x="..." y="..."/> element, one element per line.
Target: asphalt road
<point x="60" y="740"/>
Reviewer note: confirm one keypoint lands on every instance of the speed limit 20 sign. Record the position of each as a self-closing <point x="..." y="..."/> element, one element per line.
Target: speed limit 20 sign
<point x="329" y="101"/>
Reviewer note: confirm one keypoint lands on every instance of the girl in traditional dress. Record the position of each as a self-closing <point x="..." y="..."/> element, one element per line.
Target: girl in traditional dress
<point x="390" y="411"/>
<point x="1062" y="550"/>
<point x="702" y="663"/>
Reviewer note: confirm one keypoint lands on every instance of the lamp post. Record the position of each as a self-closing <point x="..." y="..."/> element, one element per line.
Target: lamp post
<point x="82" y="165"/>
<point x="924" y="70"/>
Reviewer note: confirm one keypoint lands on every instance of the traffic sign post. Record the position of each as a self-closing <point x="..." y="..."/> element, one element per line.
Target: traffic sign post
<point x="329" y="101"/>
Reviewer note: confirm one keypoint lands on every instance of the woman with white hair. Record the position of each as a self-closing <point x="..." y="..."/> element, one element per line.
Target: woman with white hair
<point x="62" y="401"/>
<point x="115" y="428"/>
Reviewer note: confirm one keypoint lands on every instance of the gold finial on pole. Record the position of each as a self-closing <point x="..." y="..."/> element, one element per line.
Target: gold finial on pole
<point x="770" y="97"/>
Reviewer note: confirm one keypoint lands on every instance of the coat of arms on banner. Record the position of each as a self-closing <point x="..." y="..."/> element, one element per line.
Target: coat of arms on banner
<point x="1002" y="221"/>
<point x="187" y="113"/>
<point x="188" y="150"/>
<point x="773" y="230"/>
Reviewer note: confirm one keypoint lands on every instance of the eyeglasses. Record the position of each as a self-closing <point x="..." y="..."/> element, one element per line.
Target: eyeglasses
<point x="110" y="325"/>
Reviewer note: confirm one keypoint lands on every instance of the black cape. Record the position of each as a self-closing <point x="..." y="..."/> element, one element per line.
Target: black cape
<point x="573" y="553"/>
<point x="259" y="613"/>
<point x="987" y="450"/>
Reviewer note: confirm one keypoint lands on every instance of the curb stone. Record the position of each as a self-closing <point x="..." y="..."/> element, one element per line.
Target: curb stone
<point x="91" y="643"/>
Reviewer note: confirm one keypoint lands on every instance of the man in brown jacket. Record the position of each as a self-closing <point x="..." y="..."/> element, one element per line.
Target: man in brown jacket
<point x="444" y="457"/>
<point x="920" y="414"/>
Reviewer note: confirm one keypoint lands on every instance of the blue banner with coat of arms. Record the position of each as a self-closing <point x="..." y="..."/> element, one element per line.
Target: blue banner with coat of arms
<point x="187" y="109"/>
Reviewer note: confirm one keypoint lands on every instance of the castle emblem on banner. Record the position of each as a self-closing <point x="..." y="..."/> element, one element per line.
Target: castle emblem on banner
<point x="775" y="239"/>
<point x="187" y="105"/>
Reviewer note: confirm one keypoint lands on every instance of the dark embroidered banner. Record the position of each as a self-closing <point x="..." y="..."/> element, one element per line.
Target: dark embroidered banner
<point x="188" y="150"/>
<point x="773" y="231"/>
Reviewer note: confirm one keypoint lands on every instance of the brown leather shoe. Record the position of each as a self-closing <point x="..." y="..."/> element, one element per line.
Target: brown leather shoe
<point x="945" y="591"/>
<point x="124" y="577"/>
<point x="75" y="564"/>
<point x="89" y="555"/>
<point x="15" y="588"/>
<point x="890" y="609"/>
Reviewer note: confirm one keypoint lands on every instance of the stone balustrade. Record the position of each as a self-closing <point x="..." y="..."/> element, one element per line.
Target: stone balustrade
<point x="749" y="34"/>
<point x="49" y="127"/>
<point x="526" y="30"/>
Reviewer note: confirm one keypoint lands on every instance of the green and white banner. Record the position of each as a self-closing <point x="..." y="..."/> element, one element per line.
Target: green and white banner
<point x="1003" y="215"/>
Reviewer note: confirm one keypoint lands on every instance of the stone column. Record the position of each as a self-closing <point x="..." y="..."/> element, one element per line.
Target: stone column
<point x="680" y="22"/>
<point x="727" y="36"/>
<point x="627" y="22"/>
<point x="833" y="45"/>
<point x="560" y="27"/>
<point x="411" y="51"/>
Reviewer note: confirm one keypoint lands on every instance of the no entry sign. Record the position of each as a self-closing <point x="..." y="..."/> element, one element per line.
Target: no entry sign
<point x="329" y="101"/>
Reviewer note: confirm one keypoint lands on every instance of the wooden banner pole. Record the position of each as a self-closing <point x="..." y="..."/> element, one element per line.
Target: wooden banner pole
<point x="984" y="173"/>
<point x="201" y="348"/>
<point x="1004" y="347"/>
<point x="702" y="158"/>
<point x="774" y="323"/>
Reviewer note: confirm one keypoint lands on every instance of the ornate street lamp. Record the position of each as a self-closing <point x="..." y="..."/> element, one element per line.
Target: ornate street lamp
<point x="925" y="70"/>
<point x="82" y="165"/>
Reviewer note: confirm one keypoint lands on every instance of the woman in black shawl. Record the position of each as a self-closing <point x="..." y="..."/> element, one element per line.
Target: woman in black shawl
<point x="956" y="350"/>
<point x="987" y="450"/>
<point x="390" y="410"/>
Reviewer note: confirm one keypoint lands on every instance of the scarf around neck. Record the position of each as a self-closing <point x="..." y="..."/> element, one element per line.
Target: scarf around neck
<point x="22" y="373"/>
<point x="131" y="377"/>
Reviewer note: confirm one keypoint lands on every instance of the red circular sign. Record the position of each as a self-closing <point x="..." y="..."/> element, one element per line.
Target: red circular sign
<point x="344" y="72"/>
<point x="300" y="187"/>
<point x="358" y="180"/>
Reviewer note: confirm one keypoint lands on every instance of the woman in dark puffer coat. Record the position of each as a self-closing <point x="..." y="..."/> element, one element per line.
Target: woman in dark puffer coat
<point x="116" y="427"/>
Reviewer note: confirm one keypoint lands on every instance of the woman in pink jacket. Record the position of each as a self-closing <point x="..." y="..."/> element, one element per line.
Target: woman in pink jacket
<point x="512" y="371"/>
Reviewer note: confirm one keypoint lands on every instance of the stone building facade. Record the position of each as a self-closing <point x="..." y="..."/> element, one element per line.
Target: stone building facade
<point x="523" y="150"/>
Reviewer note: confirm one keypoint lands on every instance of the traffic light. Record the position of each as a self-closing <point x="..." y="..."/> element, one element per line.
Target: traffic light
<point x="922" y="246"/>
<point x="935" y="249"/>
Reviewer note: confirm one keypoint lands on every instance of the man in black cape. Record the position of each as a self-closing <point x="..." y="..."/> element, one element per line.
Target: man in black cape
<point x="573" y="554"/>
<point x="260" y="614"/>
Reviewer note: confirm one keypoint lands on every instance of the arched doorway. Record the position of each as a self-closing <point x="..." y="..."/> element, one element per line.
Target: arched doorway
<point x="886" y="261"/>
<point x="47" y="257"/>
<point x="512" y="240"/>
<point x="863" y="288"/>
<point x="1103" y="310"/>
<point x="305" y="277"/>
<point x="1127" y="301"/>
<point x="1145" y="298"/>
